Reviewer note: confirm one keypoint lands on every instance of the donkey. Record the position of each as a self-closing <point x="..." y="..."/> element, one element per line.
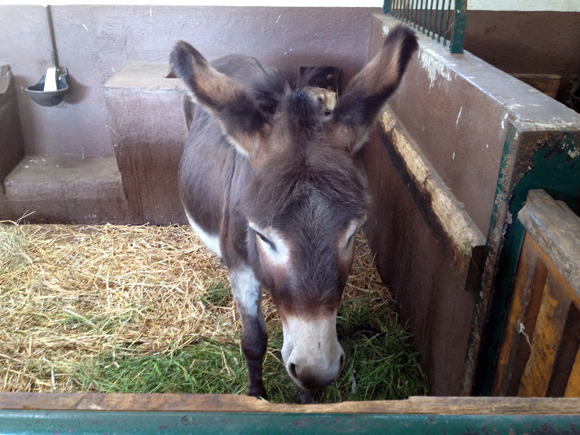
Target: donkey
<point x="272" y="185"/>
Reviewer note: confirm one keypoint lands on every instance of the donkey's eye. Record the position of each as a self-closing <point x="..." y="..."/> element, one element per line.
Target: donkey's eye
<point x="350" y="239"/>
<point x="350" y="233"/>
<point x="266" y="241"/>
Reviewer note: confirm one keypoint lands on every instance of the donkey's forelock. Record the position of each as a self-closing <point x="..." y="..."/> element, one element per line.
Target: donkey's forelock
<point x="290" y="178"/>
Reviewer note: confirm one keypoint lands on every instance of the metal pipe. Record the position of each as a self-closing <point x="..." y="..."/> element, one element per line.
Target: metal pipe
<point x="50" y="27"/>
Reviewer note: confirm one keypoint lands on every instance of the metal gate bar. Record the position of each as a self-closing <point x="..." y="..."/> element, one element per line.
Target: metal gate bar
<point x="426" y="15"/>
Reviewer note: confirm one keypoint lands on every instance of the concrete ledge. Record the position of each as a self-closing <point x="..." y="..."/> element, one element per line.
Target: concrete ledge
<point x="11" y="141"/>
<point x="149" y="132"/>
<point x="65" y="190"/>
<point x="145" y="76"/>
<point x="457" y="109"/>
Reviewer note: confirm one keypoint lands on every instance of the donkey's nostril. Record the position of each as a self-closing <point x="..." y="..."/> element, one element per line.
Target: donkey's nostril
<point x="292" y="370"/>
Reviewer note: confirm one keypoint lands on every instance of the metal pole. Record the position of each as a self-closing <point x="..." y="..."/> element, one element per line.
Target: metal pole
<point x="458" y="34"/>
<point x="50" y="28"/>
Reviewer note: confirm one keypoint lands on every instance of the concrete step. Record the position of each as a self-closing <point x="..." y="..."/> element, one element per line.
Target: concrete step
<point x="65" y="190"/>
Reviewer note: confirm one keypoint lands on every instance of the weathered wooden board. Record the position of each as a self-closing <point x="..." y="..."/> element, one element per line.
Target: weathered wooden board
<point x="453" y="227"/>
<point x="233" y="403"/>
<point x="539" y="353"/>
<point x="546" y="339"/>
<point x="522" y="322"/>
<point x="556" y="229"/>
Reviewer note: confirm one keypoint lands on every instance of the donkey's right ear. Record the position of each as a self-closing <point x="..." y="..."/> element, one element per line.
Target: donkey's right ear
<point x="227" y="100"/>
<point x="369" y="90"/>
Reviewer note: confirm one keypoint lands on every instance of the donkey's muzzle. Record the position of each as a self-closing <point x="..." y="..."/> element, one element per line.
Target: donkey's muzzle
<point x="312" y="354"/>
<point x="312" y="376"/>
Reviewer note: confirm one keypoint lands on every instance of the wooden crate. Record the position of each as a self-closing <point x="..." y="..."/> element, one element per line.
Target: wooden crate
<point x="540" y="355"/>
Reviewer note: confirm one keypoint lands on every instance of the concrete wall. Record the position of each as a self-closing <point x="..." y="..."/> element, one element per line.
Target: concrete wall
<point x="525" y="5"/>
<point x="94" y="41"/>
<point x="11" y="142"/>
<point x="538" y="42"/>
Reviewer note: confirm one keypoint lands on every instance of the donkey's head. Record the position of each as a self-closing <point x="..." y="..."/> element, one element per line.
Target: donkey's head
<point x="307" y="197"/>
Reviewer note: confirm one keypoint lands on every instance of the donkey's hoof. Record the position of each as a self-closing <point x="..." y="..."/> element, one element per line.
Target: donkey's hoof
<point x="258" y="392"/>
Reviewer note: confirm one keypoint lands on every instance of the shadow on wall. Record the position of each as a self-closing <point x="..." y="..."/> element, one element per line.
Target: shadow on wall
<point x="78" y="91"/>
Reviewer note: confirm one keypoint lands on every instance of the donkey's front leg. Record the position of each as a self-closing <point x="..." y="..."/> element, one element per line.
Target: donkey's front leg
<point x="248" y="298"/>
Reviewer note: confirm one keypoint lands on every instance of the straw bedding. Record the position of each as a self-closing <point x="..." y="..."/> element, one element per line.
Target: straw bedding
<point x="71" y="293"/>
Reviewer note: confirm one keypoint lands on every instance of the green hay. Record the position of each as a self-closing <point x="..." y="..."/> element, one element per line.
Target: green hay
<point x="218" y="295"/>
<point x="381" y="364"/>
<point x="205" y="367"/>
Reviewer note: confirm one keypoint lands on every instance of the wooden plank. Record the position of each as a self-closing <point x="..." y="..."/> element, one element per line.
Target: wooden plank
<point x="546" y="338"/>
<point x="515" y="349"/>
<point x="232" y="403"/>
<point x="556" y="229"/>
<point x="566" y="355"/>
<point x="448" y="220"/>
<point x="573" y="388"/>
<point x="530" y="318"/>
<point x="542" y="364"/>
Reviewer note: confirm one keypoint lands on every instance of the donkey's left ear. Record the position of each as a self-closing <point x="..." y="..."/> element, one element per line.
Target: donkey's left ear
<point x="369" y="90"/>
<point x="227" y="100"/>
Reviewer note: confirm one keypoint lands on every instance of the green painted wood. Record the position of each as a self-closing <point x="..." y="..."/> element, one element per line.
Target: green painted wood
<point x="446" y="22"/>
<point x="440" y="21"/>
<point x="530" y="160"/>
<point x="458" y="34"/>
<point x="387" y="7"/>
<point x="419" y="14"/>
<point x="149" y="423"/>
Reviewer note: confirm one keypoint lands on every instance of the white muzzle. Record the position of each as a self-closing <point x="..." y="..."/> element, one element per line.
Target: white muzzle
<point x="312" y="354"/>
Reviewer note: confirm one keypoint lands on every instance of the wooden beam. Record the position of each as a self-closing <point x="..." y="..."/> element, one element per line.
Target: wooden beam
<point x="448" y="220"/>
<point x="516" y="346"/>
<point x="545" y="340"/>
<point x="556" y="229"/>
<point x="232" y="403"/>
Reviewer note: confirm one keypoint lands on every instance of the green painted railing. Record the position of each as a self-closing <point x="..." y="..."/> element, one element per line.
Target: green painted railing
<point x="232" y="423"/>
<point x="441" y="19"/>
